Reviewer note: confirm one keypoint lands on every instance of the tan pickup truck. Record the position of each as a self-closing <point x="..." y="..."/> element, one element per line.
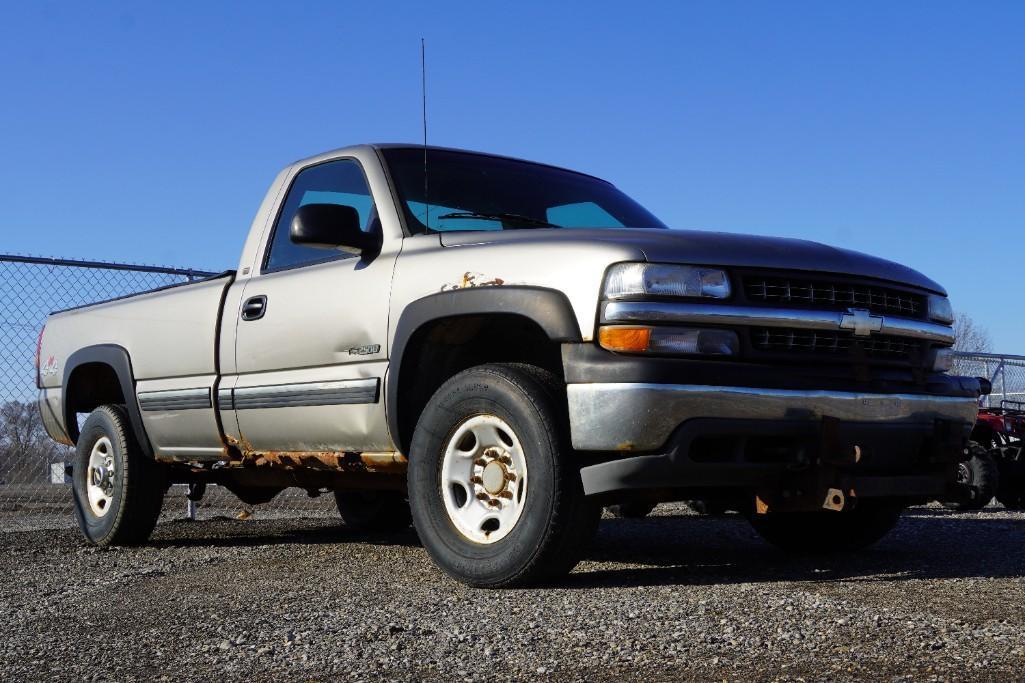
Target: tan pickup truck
<point x="492" y="350"/>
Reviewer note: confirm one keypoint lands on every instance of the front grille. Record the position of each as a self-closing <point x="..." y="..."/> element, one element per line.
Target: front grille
<point x="834" y="294"/>
<point x="836" y="344"/>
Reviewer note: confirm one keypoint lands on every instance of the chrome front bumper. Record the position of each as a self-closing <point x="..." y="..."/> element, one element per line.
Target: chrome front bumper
<point x="641" y="417"/>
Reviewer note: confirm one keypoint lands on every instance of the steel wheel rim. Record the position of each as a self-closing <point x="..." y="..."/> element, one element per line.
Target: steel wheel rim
<point x="100" y="477"/>
<point x="484" y="479"/>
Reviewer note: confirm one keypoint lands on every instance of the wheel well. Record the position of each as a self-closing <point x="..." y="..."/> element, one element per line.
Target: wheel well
<point x="89" y="386"/>
<point x="442" y="348"/>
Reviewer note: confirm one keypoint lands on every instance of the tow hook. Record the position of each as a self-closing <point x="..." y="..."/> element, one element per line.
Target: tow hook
<point x="835" y="500"/>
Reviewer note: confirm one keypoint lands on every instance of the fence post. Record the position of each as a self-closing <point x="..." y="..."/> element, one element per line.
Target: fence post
<point x="986" y="365"/>
<point x="1003" y="380"/>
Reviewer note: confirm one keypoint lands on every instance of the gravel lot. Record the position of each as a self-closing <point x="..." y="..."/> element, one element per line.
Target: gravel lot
<point x="676" y="596"/>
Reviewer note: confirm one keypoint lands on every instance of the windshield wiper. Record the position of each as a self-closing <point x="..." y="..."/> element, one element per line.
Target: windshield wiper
<point x="503" y="217"/>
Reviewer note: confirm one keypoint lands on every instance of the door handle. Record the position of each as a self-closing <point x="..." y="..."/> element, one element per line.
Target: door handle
<point x="254" y="308"/>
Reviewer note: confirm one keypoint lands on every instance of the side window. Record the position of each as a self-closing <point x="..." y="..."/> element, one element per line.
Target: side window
<point x="335" y="182"/>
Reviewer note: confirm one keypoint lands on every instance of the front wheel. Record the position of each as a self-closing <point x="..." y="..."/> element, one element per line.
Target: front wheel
<point x="828" y="531"/>
<point x="118" y="491"/>
<point x="496" y="498"/>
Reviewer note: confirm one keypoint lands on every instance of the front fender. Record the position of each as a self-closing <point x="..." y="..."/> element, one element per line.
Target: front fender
<point x="550" y="309"/>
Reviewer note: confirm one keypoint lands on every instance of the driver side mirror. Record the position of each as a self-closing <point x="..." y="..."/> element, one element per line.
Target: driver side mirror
<point x="331" y="226"/>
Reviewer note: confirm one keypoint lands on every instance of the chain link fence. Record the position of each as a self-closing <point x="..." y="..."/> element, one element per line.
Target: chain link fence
<point x="33" y="492"/>
<point x="33" y="488"/>
<point x="1006" y="373"/>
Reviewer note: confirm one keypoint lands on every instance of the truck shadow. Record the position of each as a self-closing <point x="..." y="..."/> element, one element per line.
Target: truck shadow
<point x="225" y="533"/>
<point x="688" y="549"/>
<point x="692" y="549"/>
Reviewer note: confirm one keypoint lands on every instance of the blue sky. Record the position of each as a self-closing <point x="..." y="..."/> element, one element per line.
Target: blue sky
<point x="148" y="133"/>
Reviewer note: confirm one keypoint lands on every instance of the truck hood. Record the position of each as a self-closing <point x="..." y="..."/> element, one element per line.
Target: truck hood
<point x="716" y="249"/>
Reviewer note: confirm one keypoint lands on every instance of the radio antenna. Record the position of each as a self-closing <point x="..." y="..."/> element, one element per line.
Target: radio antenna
<point x="423" y="93"/>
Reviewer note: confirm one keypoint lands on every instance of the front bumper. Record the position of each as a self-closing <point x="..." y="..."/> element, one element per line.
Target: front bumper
<point x="790" y="446"/>
<point x="641" y="416"/>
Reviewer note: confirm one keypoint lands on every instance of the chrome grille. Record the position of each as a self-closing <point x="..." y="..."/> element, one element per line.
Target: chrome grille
<point x="833" y="343"/>
<point x="834" y="294"/>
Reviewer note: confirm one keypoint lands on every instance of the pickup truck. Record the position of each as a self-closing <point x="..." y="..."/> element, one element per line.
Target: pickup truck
<point x="493" y="350"/>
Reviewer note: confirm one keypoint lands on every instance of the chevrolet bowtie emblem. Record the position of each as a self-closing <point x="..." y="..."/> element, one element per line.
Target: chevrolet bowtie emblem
<point x="861" y="321"/>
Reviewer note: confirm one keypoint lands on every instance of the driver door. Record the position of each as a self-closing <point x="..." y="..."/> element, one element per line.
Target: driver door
<point x="310" y="343"/>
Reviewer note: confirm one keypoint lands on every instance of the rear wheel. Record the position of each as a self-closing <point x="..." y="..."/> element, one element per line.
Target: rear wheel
<point x="977" y="480"/>
<point x="496" y="498"/>
<point x="384" y="511"/>
<point x="827" y="531"/>
<point x="118" y="491"/>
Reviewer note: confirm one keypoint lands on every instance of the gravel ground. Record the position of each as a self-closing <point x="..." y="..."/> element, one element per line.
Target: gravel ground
<point x="33" y="507"/>
<point x="673" y="597"/>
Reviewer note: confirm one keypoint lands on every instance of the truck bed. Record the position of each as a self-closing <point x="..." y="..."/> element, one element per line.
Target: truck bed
<point x="171" y="336"/>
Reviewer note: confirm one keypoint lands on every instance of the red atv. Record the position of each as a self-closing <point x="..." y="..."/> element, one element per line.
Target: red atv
<point x="997" y="465"/>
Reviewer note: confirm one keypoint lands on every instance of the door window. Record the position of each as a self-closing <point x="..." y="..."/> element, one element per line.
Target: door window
<point x="334" y="182"/>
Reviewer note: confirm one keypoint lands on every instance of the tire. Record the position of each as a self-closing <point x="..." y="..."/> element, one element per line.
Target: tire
<point x="511" y="511"/>
<point x="826" y="531"/>
<point x="118" y="491"/>
<point x="374" y="511"/>
<point x="631" y="510"/>
<point x="978" y="480"/>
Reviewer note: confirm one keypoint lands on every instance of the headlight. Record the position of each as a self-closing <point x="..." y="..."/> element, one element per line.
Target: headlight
<point x="659" y="279"/>
<point x="669" y="340"/>
<point x="940" y="310"/>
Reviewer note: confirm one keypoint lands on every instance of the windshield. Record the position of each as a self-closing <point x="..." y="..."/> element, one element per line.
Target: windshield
<point x="477" y="192"/>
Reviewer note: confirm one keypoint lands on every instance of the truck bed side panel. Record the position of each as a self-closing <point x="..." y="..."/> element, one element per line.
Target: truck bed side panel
<point x="170" y="339"/>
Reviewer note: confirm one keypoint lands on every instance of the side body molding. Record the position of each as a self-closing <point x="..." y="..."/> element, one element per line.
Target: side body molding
<point x="549" y="308"/>
<point x="117" y="358"/>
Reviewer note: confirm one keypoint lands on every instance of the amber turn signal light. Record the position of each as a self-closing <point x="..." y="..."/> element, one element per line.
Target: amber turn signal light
<point x="624" y="338"/>
<point x="669" y="340"/>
